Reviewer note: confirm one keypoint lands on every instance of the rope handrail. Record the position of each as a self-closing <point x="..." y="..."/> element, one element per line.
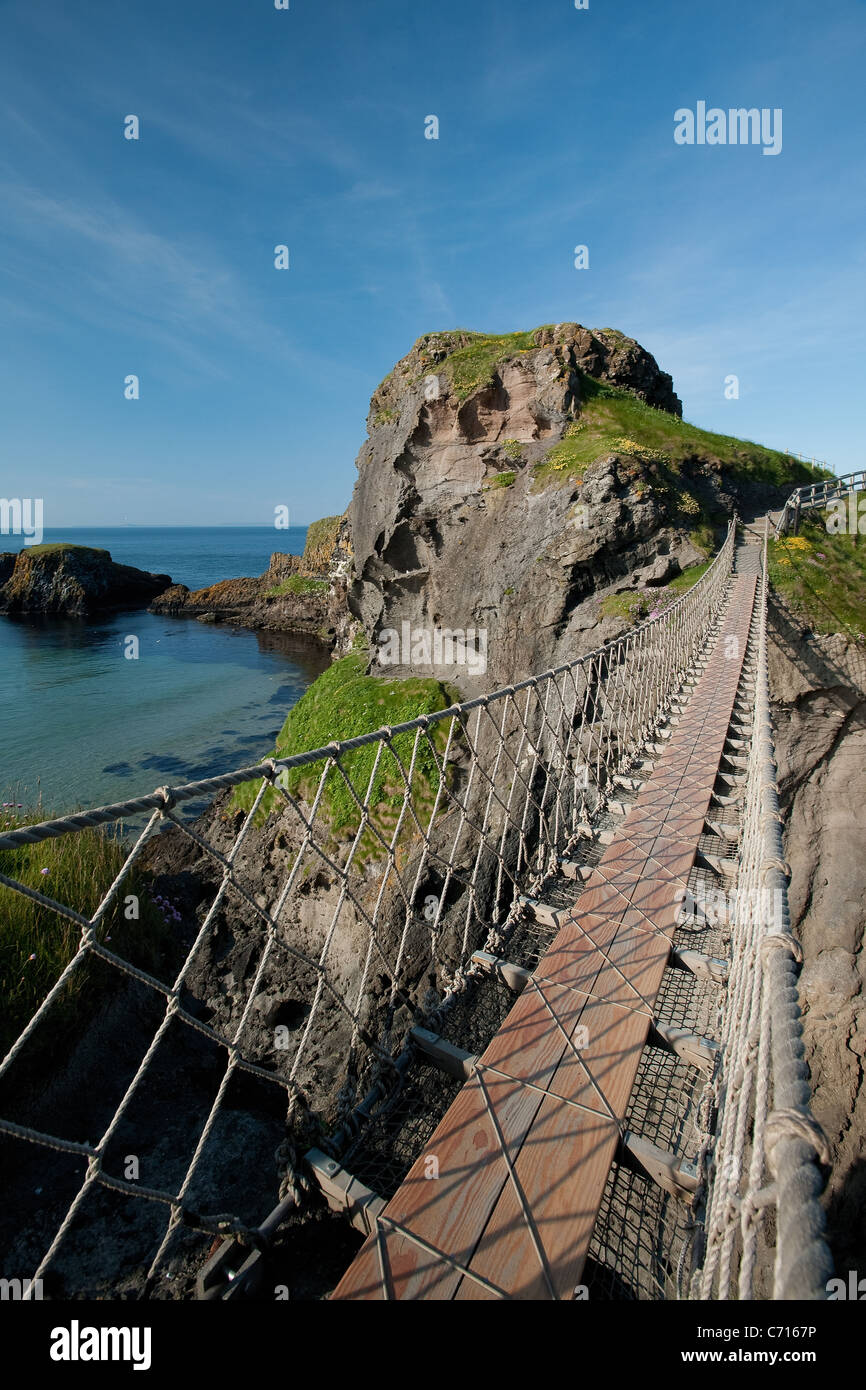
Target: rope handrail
<point x="165" y="797"/>
<point x="767" y="1148"/>
<point x="459" y="817"/>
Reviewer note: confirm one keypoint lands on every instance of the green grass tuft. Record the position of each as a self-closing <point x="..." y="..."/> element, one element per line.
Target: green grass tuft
<point x="632" y="606"/>
<point x="499" y="480"/>
<point x="36" y="943"/>
<point x="687" y="578"/>
<point x="823" y="575"/>
<point x="636" y="606"/>
<point x="297" y="584"/>
<point x="343" y="703"/>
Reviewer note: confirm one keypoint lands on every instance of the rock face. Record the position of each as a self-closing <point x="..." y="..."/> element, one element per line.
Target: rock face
<point x="819" y="716"/>
<point x="451" y="529"/>
<point x="605" y="354"/>
<point x="74" y="581"/>
<point x="290" y="596"/>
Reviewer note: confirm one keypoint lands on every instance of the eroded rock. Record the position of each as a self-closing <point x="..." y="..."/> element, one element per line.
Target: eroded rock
<point x="819" y="718"/>
<point x="74" y="581"/>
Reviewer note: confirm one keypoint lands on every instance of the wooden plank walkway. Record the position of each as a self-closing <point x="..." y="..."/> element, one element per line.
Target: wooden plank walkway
<point x="523" y="1153"/>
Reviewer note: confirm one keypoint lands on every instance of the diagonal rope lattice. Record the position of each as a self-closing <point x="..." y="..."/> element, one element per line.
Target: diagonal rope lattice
<point x="461" y="813"/>
<point x="765" y="1149"/>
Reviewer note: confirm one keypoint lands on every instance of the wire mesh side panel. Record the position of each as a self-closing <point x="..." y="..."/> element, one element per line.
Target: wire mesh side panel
<point x="643" y="1241"/>
<point x="367" y="873"/>
<point x="763" y="1227"/>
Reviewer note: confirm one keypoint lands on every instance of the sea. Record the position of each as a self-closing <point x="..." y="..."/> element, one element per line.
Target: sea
<point x="82" y="725"/>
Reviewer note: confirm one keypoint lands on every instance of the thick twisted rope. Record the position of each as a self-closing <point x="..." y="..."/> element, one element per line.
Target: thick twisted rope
<point x="765" y="1129"/>
<point x="520" y="771"/>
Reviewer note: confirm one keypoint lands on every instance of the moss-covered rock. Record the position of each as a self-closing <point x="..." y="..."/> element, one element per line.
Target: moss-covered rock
<point x="75" y="580"/>
<point x="321" y="540"/>
<point x="343" y="703"/>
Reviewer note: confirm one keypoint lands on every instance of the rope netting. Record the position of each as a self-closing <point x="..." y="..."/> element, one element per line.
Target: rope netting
<point x="760" y="1160"/>
<point x="391" y="858"/>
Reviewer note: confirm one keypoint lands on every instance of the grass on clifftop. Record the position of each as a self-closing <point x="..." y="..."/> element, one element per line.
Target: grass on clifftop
<point x="297" y="584"/>
<point x="55" y="547"/>
<point x="343" y="703"/>
<point x="36" y="944"/>
<point x="473" y="366"/>
<point x="823" y="575"/>
<point x="613" y="420"/>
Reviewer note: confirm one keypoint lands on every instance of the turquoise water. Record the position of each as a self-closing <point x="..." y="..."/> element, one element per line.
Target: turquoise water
<point x="82" y="725"/>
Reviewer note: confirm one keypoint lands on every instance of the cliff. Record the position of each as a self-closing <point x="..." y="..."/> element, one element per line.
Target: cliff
<point x="501" y="486"/>
<point x="302" y="594"/>
<point x="818" y="683"/>
<point x="532" y="487"/>
<point x="73" y="581"/>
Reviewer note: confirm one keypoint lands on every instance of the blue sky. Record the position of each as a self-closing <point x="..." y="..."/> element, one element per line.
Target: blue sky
<point x="306" y="127"/>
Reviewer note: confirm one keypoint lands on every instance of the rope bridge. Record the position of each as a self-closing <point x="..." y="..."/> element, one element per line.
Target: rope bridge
<point x="386" y="915"/>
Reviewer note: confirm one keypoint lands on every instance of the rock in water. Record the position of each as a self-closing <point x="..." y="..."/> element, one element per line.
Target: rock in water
<point x="75" y="581"/>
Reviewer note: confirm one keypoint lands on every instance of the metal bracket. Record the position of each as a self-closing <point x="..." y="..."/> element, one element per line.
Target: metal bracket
<point x="235" y="1270"/>
<point x="721" y="800"/>
<point x="544" y="913"/>
<point x="704" y="967"/>
<point x="629" y="784"/>
<point x="344" y="1193"/>
<point x="735" y="759"/>
<point x="516" y="977"/>
<point x="585" y="831"/>
<point x="697" y="1051"/>
<point x="570" y="868"/>
<point x="673" y="1174"/>
<point x="724" y="832"/>
<point x="444" y="1055"/>
<point x="724" y="866"/>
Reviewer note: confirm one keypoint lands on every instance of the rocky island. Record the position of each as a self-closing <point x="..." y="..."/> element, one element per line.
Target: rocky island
<point x="544" y="487"/>
<point x="72" y="581"/>
<point x="541" y="488"/>
<point x="303" y="594"/>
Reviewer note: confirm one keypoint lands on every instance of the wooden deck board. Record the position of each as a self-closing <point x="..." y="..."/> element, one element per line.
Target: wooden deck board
<point x="562" y="1139"/>
<point x="525" y="1224"/>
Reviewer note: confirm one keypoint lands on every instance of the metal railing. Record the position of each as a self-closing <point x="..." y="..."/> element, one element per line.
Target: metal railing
<point x="814" y="495"/>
